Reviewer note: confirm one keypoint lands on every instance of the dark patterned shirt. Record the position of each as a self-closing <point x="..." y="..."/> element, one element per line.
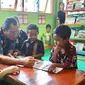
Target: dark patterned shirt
<point x="68" y="58"/>
<point x="28" y="47"/>
<point x="6" y="44"/>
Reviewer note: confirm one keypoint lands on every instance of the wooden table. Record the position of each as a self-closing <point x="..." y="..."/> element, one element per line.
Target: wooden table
<point x="29" y="76"/>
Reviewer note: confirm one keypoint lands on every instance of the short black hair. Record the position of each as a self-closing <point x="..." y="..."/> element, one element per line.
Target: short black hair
<point x="61" y="3"/>
<point x="63" y="31"/>
<point x="32" y="27"/>
<point x="7" y="23"/>
<point x="48" y="25"/>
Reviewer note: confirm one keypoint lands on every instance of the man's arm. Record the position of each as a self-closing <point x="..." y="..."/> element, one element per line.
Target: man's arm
<point x="27" y="62"/>
<point x="9" y="60"/>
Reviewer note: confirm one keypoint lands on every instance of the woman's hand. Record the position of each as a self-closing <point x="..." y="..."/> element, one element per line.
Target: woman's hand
<point x="12" y="69"/>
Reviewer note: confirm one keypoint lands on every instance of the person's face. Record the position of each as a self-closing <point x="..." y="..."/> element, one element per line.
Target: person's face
<point x="48" y="30"/>
<point x="62" y="6"/>
<point x="12" y="33"/>
<point x="59" y="41"/>
<point x="32" y="34"/>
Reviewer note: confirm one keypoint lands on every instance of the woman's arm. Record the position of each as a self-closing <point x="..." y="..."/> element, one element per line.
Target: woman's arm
<point x="8" y="70"/>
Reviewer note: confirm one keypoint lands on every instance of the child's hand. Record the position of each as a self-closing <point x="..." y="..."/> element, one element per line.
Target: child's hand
<point x="56" y="50"/>
<point x="16" y="53"/>
<point x="12" y="69"/>
<point x="52" y="68"/>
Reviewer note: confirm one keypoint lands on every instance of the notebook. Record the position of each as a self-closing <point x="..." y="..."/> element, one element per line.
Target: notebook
<point x="44" y="65"/>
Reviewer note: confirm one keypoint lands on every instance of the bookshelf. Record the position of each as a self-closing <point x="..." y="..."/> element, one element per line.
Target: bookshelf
<point x="75" y="5"/>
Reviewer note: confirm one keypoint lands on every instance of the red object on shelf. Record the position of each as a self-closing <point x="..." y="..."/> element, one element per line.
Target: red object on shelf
<point x="75" y="10"/>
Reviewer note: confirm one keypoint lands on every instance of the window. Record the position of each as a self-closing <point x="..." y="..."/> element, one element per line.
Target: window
<point x="65" y="3"/>
<point x="30" y="5"/>
<point x="8" y="4"/>
<point x="19" y="5"/>
<point x="23" y="18"/>
<point x="41" y="19"/>
<point x="44" y="6"/>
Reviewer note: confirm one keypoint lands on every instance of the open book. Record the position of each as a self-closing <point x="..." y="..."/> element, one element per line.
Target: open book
<point x="44" y="65"/>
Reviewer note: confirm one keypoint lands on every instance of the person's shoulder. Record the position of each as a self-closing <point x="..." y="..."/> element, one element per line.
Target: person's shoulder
<point x="71" y="47"/>
<point x="39" y="41"/>
<point x="22" y="32"/>
<point x="61" y="12"/>
<point x="26" y="41"/>
<point x="48" y="33"/>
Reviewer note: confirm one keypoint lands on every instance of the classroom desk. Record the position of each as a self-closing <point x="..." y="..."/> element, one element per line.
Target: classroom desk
<point x="29" y="76"/>
<point x="82" y="40"/>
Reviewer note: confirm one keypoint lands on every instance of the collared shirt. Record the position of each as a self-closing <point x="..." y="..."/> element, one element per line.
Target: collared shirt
<point x="68" y="58"/>
<point x="28" y="47"/>
<point x="6" y="44"/>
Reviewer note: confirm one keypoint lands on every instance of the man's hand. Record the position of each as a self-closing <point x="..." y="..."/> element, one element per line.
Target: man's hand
<point x="28" y="61"/>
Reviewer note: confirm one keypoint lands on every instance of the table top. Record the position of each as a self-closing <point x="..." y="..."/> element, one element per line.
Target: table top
<point x="30" y="76"/>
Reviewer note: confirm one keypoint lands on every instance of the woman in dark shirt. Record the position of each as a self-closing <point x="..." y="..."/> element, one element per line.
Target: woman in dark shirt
<point x="61" y="14"/>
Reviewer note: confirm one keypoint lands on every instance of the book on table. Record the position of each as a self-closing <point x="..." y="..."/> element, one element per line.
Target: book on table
<point x="44" y="65"/>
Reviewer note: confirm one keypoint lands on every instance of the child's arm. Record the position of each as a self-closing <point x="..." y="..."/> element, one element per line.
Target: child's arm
<point x="17" y="53"/>
<point x="54" y="65"/>
<point x="8" y="70"/>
